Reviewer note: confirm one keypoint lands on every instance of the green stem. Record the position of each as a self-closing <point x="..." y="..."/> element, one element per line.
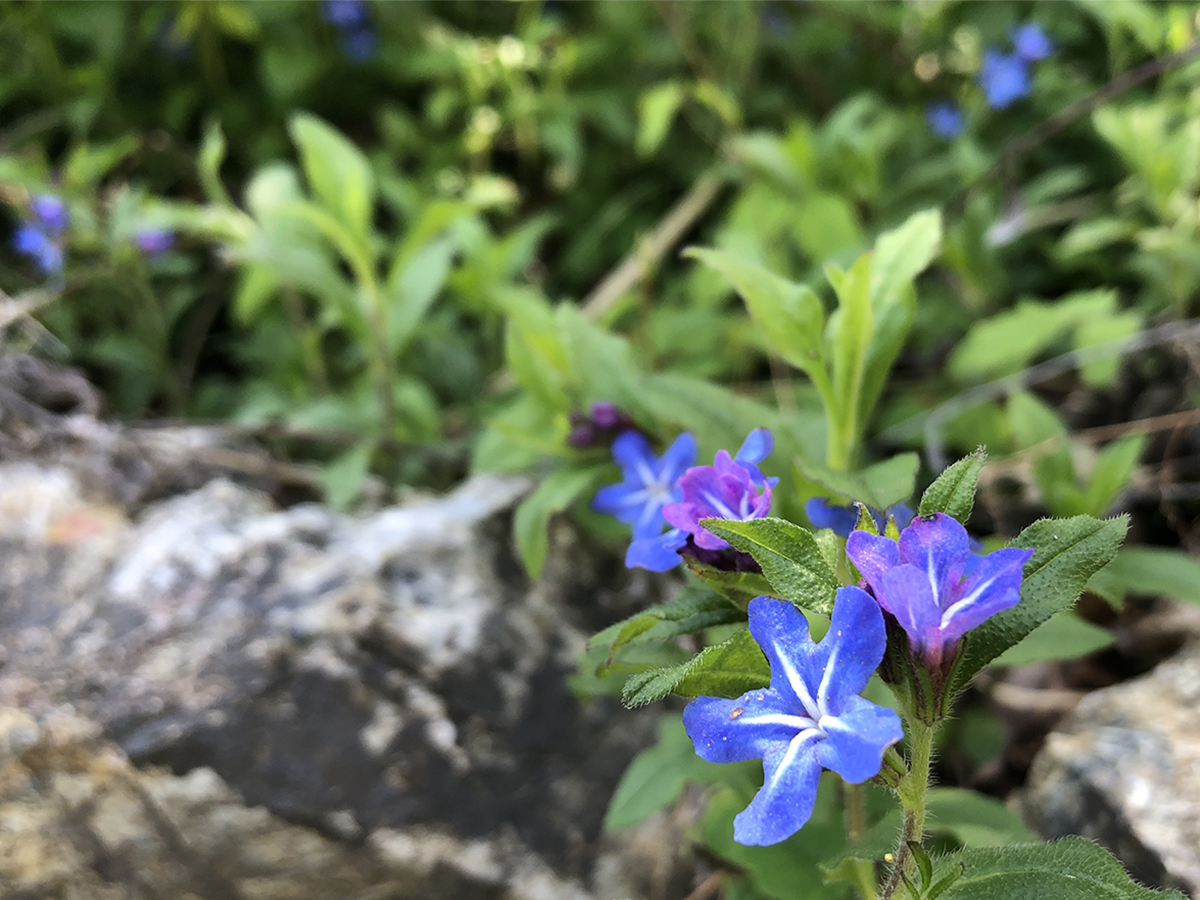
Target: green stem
<point x="913" y="790"/>
<point x="856" y="825"/>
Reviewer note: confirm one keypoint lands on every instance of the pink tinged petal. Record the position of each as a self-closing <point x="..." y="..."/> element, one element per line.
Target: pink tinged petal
<point x="746" y="728"/>
<point x="872" y="555"/>
<point x="782" y="632"/>
<point x="852" y="648"/>
<point x="994" y="586"/>
<point x="905" y="592"/>
<point x="785" y="801"/>
<point x="757" y="446"/>
<point x="855" y="739"/>
<point x="938" y="546"/>
<point x="682" y="515"/>
<point x="635" y="456"/>
<point x="680" y="455"/>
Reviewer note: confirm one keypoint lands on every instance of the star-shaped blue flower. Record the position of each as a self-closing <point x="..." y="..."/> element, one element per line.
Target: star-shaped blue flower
<point x="1031" y="43"/>
<point x="1004" y="78"/>
<point x="923" y="581"/>
<point x="810" y="718"/>
<point x="945" y="119"/>
<point x="650" y="483"/>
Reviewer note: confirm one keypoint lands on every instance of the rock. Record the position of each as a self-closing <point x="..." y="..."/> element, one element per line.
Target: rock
<point x="208" y="695"/>
<point x="1124" y="770"/>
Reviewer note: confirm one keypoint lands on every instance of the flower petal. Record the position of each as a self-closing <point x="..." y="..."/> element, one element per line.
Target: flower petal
<point x="855" y="739"/>
<point x="781" y="630"/>
<point x="905" y="592"/>
<point x="852" y="648"/>
<point x="745" y="728"/>
<point x="657" y="553"/>
<point x="785" y="801"/>
<point x="834" y="516"/>
<point x="995" y="585"/>
<point x="623" y="500"/>
<point x="679" y="456"/>
<point x="872" y="555"/>
<point x="757" y="446"/>
<point x="937" y="545"/>
<point x="635" y="456"/>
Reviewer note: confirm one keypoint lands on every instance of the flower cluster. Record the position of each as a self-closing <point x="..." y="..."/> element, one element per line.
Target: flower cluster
<point x="658" y="494"/>
<point x="601" y="423"/>
<point x="353" y="19"/>
<point x="1004" y="77"/>
<point x="812" y="717"/>
<point x="41" y="238"/>
<point x="154" y="241"/>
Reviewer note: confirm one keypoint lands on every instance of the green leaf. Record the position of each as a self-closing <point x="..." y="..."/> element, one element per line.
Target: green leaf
<point x="1110" y="475"/>
<point x="880" y="486"/>
<point x="1067" y="552"/>
<point x="414" y="288"/>
<point x="212" y="154"/>
<point x="790" y="558"/>
<point x="693" y="610"/>
<point x="953" y="492"/>
<point x="789" y="315"/>
<point x="727" y="670"/>
<point x="1068" y="869"/>
<point x="737" y="587"/>
<point x="901" y="254"/>
<point x="344" y="477"/>
<point x="1154" y="572"/>
<point x="531" y="521"/>
<point x="974" y="819"/>
<point x="656" y="776"/>
<point x="1063" y="636"/>
<point x="656" y="111"/>
<point x="850" y="330"/>
<point x="337" y="171"/>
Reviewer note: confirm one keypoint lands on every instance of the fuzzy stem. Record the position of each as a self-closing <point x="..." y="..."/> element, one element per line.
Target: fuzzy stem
<point x="913" y="790"/>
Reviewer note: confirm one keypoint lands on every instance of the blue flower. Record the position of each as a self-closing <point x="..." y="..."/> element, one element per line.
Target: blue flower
<point x="47" y="252"/>
<point x="154" y="241"/>
<point x="1031" y="43"/>
<point x="842" y="519"/>
<point x="650" y="482"/>
<point x="359" y="45"/>
<point x="945" y="119"/>
<point x="810" y="718"/>
<point x="345" y="14"/>
<point x="930" y="583"/>
<point x="51" y="212"/>
<point x="1004" y="78"/>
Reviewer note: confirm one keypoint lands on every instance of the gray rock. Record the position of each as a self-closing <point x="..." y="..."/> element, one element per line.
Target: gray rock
<point x="1124" y="770"/>
<point x="212" y="696"/>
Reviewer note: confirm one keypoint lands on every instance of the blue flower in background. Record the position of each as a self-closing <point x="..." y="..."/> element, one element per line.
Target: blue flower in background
<point x="930" y="583"/>
<point x="842" y="518"/>
<point x="1031" y="43"/>
<point x="650" y="482"/>
<point x="810" y="718"/>
<point x="945" y="119"/>
<point x="41" y="239"/>
<point x="353" y="19"/>
<point x="1004" y="78"/>
<point x="154" y="241"/>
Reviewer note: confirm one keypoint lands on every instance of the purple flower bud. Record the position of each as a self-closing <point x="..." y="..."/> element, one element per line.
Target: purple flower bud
<point x="582" y="437"/>
<point x="154" y="241"/>
<point x="605" y="415"/>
